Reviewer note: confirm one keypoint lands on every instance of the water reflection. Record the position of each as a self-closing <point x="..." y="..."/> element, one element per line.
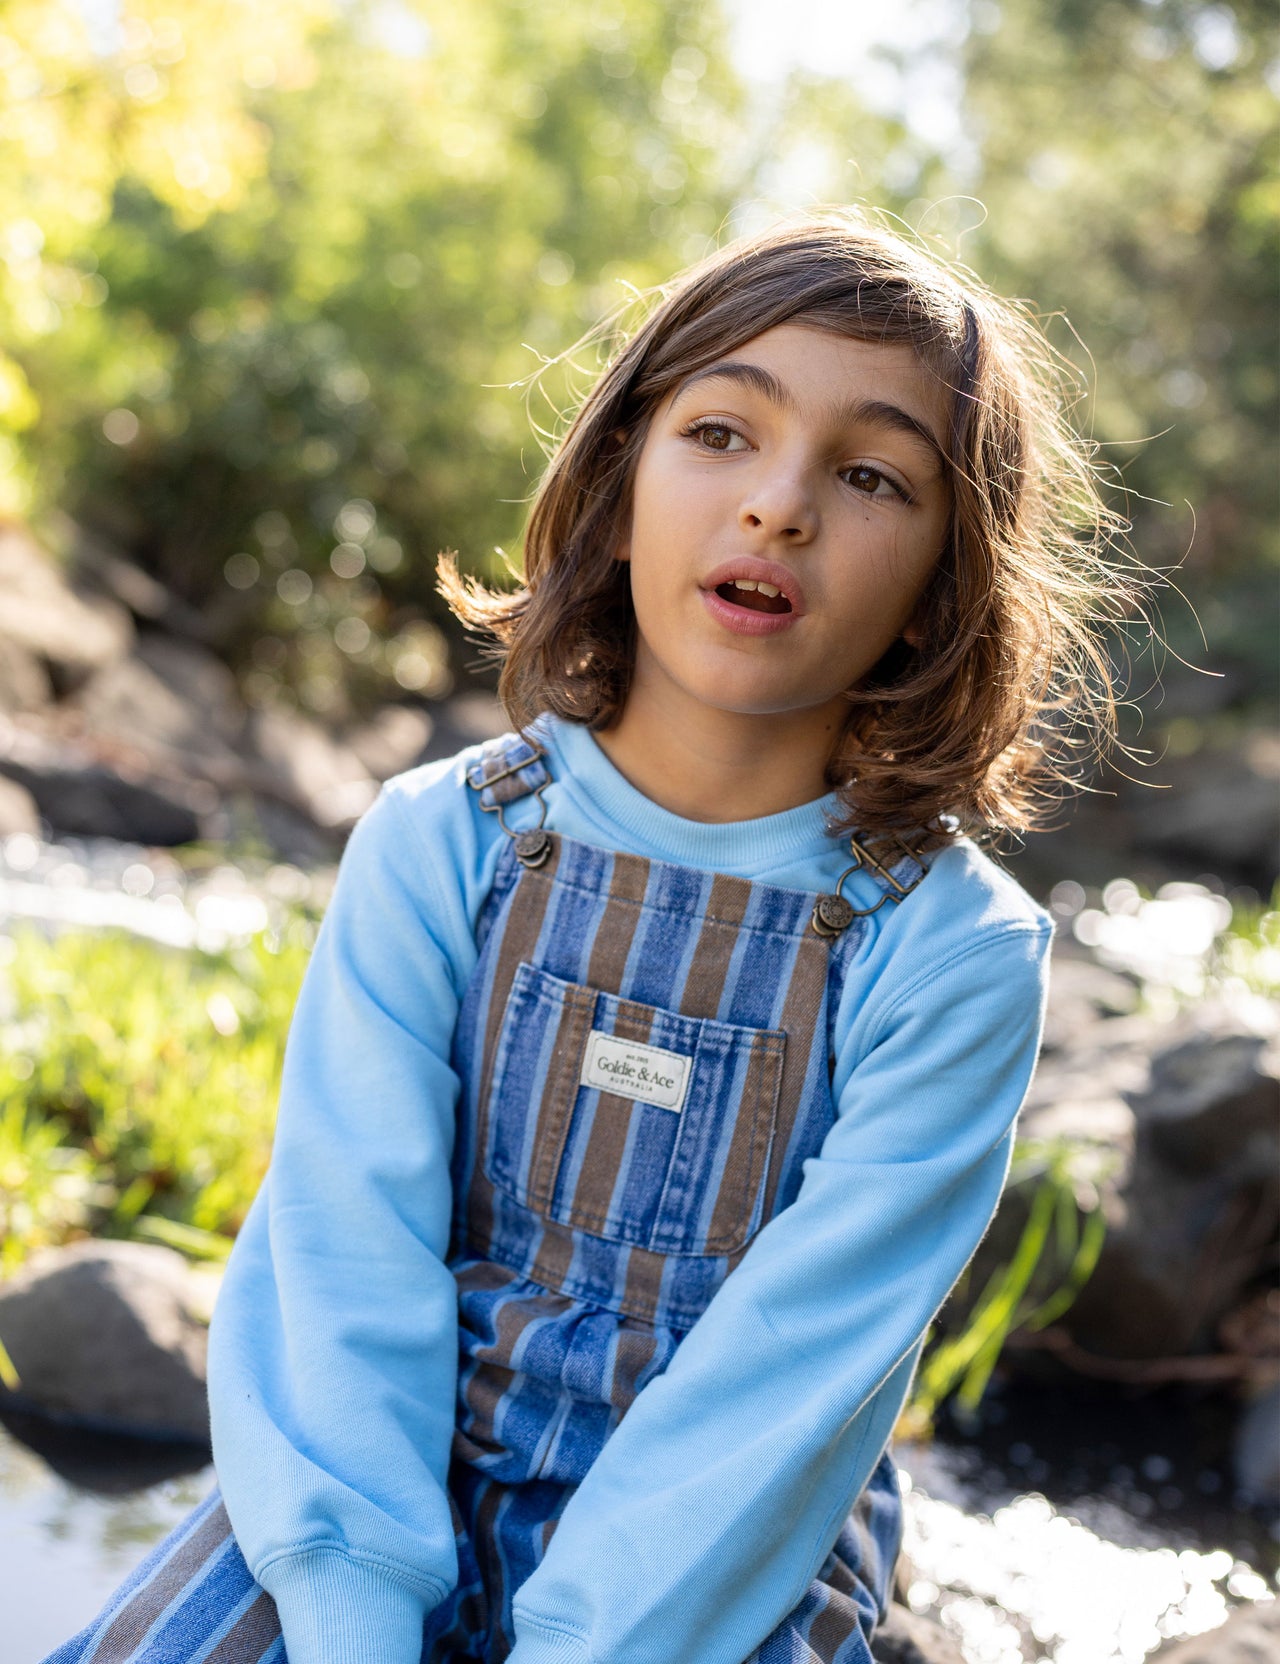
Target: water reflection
<point x="67" y="1541"/>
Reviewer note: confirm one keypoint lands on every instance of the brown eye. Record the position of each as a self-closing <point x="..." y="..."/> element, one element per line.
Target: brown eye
<point x="716" y="437"/>
<point x="866" y="479"/>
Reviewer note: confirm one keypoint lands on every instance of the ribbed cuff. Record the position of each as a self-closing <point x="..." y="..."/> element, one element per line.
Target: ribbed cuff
<point x="542" y="1643"/>
<point x="336" y="1610"/>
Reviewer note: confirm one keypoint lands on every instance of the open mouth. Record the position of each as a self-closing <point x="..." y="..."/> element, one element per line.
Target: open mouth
<point x="753" y="596"/>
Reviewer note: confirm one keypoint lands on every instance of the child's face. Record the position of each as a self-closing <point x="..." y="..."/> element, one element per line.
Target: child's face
<point x="808" y="463"/>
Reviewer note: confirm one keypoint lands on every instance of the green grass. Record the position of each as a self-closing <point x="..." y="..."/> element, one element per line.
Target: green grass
<point x="139" y="1085"/>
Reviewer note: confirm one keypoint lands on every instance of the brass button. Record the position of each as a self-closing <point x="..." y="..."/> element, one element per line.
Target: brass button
<point x="831" y="915"/>
<point x="533" y="848"/>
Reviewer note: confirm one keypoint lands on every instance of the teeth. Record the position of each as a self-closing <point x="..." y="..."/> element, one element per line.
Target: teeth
<point x="769" y="590"/>
<point x="746" y="583"/>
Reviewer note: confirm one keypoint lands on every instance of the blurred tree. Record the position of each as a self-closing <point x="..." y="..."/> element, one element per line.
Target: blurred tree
<point x="284" y="408"/>
<point x="77" y="115"/>
<point x="1127" y="157"/>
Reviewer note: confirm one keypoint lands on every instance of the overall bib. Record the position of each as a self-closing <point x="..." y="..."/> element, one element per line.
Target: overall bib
<point x="644" y="1051"/>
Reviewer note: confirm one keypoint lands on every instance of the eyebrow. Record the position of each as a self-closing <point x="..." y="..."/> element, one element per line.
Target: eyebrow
<point x="875" y="412"/>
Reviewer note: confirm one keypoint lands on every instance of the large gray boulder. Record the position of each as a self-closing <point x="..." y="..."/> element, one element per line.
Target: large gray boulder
<point x="1174" y="1129"/>
<point x="110" y="1335"/>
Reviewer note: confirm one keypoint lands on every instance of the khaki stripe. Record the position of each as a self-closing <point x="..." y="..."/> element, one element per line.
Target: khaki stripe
<point x="643" y="1287"/>
<point x="630" y="880"/>
<point x="554" y="1256"/>
<point x="832" y="1628"/>
<point x="169" y="1578"/>
<point x="726" y="908"/>
<point x="753" y="1128"/>
<point x="607" y="1140"/>
<point x="559" y="1093"/>
<point x="483" y="1276"/>
<point x="632" y="1356"/>
<point x="617" y="928"/>
<point x="527" y="909"/>
<point x="250" y="1635"/>
<point x="803" y="1008"/>
<point x="483" y="1393"/>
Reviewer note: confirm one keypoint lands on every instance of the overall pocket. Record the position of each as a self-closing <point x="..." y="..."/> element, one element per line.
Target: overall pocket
<point x="630" y="1122"/>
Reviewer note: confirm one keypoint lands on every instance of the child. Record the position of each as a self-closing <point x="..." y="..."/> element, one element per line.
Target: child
<point x="655" y="1073"/>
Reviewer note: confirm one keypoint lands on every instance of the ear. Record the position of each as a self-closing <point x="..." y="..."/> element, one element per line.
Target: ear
<point x="623" y="551"/>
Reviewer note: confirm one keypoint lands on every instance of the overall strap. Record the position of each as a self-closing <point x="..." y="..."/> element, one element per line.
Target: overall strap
<point x="897" y="871"/>
<point x="508" y="769"/>
<point x="514" y="767"/>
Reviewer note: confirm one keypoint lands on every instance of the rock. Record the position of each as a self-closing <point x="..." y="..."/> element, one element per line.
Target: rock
<point x="1220" y="808"/>
<point x="326" y="776"/>
<point x="92" y="801"/>
<point x="175" y="702"/>
<point x="1082" y="993"/>
<point x="1251" y="1635"/>
<point x="1213" y="1103"/>
<point x="1173" y="1127"/>
<point x="109" y="1334"/>
<point x="906" y="1638"/>
<point x="101" y="569"/>
<point x="392" y="740"/>
<point x="70" y="634"/>
<point x="18" y="811"/>
<point x="24" y="681"/>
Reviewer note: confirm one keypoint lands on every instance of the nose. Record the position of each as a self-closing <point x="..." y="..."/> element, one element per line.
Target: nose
<point x="780" y="503"/>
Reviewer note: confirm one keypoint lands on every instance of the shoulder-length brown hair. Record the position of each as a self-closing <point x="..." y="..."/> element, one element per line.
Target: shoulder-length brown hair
<point x="975" y="726"/>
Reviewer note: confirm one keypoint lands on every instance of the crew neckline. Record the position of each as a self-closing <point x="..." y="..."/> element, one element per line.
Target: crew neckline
<point x="605" y="795"/>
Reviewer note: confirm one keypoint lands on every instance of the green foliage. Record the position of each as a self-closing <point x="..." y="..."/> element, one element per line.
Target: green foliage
<point x="139" y="1083"/>
<point x="46" y="1185"/>
<point x="1246" y="959"/>
<point x="1055" y="1255"/>
<point x="325" y="362"/>
<point x="1127" y="162"/>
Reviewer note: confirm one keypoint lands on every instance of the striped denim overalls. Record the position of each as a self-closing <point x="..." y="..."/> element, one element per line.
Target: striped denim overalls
<point x="644" y="1051"/>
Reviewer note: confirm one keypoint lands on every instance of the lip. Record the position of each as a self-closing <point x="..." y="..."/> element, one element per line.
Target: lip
<point x="739" y="619"/>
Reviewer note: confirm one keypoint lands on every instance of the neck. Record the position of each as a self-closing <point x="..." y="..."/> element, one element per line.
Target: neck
<point x="713" y="765"/>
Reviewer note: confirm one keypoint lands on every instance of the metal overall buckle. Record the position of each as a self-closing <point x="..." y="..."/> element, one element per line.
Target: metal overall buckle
<point x="834" y="913"/>
<point x="532" y="845"/>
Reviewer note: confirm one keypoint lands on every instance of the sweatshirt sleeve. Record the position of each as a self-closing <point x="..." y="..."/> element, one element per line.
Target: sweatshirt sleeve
<point x="710" y="1510"/>
<point x="332" y="1368"/>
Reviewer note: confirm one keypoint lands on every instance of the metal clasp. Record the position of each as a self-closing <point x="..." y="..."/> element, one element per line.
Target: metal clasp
<point x="834" y="913"/>
<point x="532" y="843"/>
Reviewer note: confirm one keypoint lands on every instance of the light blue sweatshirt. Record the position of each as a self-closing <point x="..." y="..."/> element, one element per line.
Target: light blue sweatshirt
<point x="333" y="1352"/>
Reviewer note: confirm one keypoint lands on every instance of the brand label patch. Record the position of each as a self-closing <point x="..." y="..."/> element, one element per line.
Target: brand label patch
<point x="629" y="1069"/>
